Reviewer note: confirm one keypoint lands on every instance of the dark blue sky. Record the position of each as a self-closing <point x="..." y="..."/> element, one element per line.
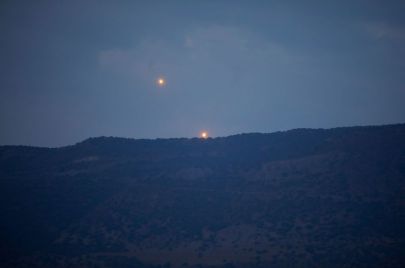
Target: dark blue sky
<point x="75" y="69"/>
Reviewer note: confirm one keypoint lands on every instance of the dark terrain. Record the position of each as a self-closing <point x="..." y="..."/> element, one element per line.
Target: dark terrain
<point x="300" y="198"/>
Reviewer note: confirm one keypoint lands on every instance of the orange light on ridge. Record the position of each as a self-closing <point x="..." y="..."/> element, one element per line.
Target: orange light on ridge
<point x="204" y="135"/>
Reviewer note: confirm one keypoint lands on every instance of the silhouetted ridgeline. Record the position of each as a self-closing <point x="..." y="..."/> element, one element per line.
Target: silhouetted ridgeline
<point x="300" y="198"/>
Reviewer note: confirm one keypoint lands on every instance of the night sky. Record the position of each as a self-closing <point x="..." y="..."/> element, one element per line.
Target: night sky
<point x="77" y="69"/>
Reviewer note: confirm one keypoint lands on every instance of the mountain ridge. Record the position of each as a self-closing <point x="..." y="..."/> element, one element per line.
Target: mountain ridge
<point x="130" y="139"/>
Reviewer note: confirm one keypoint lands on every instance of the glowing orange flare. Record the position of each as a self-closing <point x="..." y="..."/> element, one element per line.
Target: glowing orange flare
<point x="161" y="82"/>
<point x="204" y="135"/>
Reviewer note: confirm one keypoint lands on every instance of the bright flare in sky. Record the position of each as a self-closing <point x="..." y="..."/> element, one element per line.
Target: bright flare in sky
<point x="204" y="135"/>
<point x="161" y="82"/>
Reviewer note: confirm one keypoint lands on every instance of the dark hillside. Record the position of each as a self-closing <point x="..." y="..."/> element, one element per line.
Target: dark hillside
<point x="300" y="198"/>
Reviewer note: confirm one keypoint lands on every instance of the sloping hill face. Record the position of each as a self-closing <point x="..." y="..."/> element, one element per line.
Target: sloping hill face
<point x="301" y="198"/>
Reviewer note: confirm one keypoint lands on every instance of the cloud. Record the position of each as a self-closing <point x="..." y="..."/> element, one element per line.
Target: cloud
<point x="379" y="30"/>
<point x="210" y="50"/>
<point x="142" y="61"/>
<point x="233" y="42"/>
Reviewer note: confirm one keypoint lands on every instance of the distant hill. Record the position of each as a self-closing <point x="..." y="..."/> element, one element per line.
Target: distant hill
<point x="299" y="198"/>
